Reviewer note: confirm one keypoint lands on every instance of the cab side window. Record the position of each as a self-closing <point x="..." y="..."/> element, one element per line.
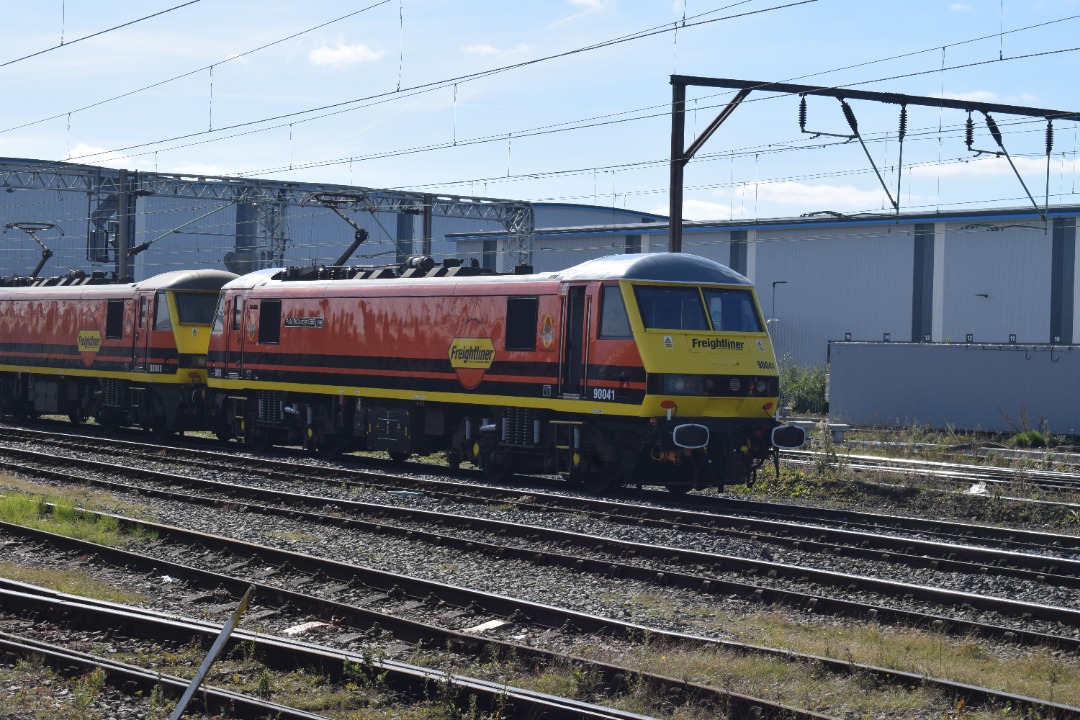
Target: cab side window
<point x="521" y="314"/>
<point x="270" y="322"/>
<point x="614" y="322"/>
<point x="114" y="320"/>
<point x="162" y="321"/>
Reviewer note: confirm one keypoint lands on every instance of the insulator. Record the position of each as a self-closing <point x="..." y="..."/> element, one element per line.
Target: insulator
<point x="903" y="122"/>
<point x="969" y="131"/>
<point x="1049" y="137"/>
<point x="850" y="115"/>
<point x="992" y="126"/>
<point x="802" y="114"/>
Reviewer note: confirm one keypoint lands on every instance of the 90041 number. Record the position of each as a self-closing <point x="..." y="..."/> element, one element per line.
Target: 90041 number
<point x="603" y="393"/>
<point x="766" y="365"/>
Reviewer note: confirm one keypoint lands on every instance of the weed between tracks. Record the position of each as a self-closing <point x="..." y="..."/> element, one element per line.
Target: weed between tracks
<point x="1037" y="672"/>
<point x="830" y="481"/>
<point x="59" y="513"/>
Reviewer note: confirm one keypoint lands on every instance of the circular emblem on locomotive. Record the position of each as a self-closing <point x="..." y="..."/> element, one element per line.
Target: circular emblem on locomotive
<point x="471" y="354"/>
<point x="547" y="331"/>
<point x="252" y="323"/>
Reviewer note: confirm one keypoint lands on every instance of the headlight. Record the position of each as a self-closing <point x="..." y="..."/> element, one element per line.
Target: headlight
<point x="684" y="385"/>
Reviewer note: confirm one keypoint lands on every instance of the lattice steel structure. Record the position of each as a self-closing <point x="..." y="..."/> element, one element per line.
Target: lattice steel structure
<point x="114" y="195"/>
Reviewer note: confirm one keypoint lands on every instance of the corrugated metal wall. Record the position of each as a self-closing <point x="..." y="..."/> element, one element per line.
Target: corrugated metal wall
<point x="846" y="280"/>
<point x="997" y="283"/>
<point x="998" y="388"/>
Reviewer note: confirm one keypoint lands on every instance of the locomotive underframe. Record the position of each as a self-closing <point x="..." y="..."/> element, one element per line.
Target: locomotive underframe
<point x="112" y="402"/>
<point x="599" y="454"/>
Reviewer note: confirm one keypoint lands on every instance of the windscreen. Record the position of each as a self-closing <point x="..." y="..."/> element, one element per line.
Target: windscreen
<point x="195" y="308"/>
<point x="684" y="308"/>
<point x="671" y="308"/>
<point x="732" y="310"/>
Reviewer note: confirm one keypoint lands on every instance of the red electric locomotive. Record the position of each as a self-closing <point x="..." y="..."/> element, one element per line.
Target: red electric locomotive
<point x="626" y="369"/>
<point x="124" y="353"/>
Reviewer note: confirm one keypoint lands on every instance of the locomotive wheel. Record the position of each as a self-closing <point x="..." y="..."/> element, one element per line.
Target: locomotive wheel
<point x="496" y="472"/>
<point x="329" y="447"/>
<point x="399" y="456"/>
<point x="108" y="422"/>
<point x="597" y="483"/>
<point x="159" y="428"/>
<point x="258" y="439"/>
<point x="77" y="417"/>
<point x="603" y="478"/>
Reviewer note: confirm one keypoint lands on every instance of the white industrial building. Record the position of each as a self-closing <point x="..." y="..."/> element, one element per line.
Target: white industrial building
<point x="981" y="276"/>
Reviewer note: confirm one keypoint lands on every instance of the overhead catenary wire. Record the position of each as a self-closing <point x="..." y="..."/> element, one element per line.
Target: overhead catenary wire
<point x="96" y="34"/>
<point x="437" y="84"/>
<point x="230" y="58"/>
<point x="352" y="159"/>
<point x="426" y="87"/>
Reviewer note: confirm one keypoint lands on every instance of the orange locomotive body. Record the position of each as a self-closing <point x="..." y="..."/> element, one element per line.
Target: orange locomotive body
<point x="629" y="369"/>
<point x="123" y="353"/>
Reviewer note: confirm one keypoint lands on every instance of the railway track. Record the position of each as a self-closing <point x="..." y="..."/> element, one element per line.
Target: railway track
<point x="404" y="591"/>
<point x="967" y="475"/>
<point x="709" y="513"/>
<point x="607" y="554"/>
<point x="961" y="547"/>
<point x="765" y="581"/>
<point x="131" y="627"/>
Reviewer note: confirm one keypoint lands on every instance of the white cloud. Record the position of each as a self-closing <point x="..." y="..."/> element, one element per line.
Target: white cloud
<point x="974" y="96"/>
<point x="485" y="49"/>
<point x="704" y="210"/>
<point x="480" y="49"/>
<point x="990" y="166"/>
<point x="960" y="7"/>
<point x="100" y="156"/>
<point x="807" y="195"/>
<point x="343" y="55"/>
<point x="588" y="7"/>
<point x="199" y="170"/>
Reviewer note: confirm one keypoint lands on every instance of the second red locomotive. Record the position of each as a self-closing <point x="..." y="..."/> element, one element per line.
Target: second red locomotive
<point x="124" y="353"/>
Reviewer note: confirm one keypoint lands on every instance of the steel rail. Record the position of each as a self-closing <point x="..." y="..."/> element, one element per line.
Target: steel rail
<point x="217" y="700"/>
<point x="1019" y="609"/>
<point x="960" y="472"/>
<point x="700" y="510"/>
<point x="287" y="654"/>
<point x="373" y="623"/>
<point x="1052" y="570"/>
<point x="428" y="636"/>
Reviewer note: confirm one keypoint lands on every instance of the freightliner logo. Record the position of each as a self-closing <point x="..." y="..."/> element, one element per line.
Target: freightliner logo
<point x="471" y="352"/>
<point x="699" y="344"/>
<point x="89" y="341"/>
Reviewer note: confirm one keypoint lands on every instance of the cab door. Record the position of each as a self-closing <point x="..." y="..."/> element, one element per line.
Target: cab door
<point x="573" y="365"/>
<point x="236" y="333"/>
<point x="144" y="317"/>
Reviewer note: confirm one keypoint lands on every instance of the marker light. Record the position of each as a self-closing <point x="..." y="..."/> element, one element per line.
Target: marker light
<point x="670" y="406"/>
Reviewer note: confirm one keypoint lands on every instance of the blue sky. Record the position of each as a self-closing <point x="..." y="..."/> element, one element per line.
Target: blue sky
<point x="532" y="100"/>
